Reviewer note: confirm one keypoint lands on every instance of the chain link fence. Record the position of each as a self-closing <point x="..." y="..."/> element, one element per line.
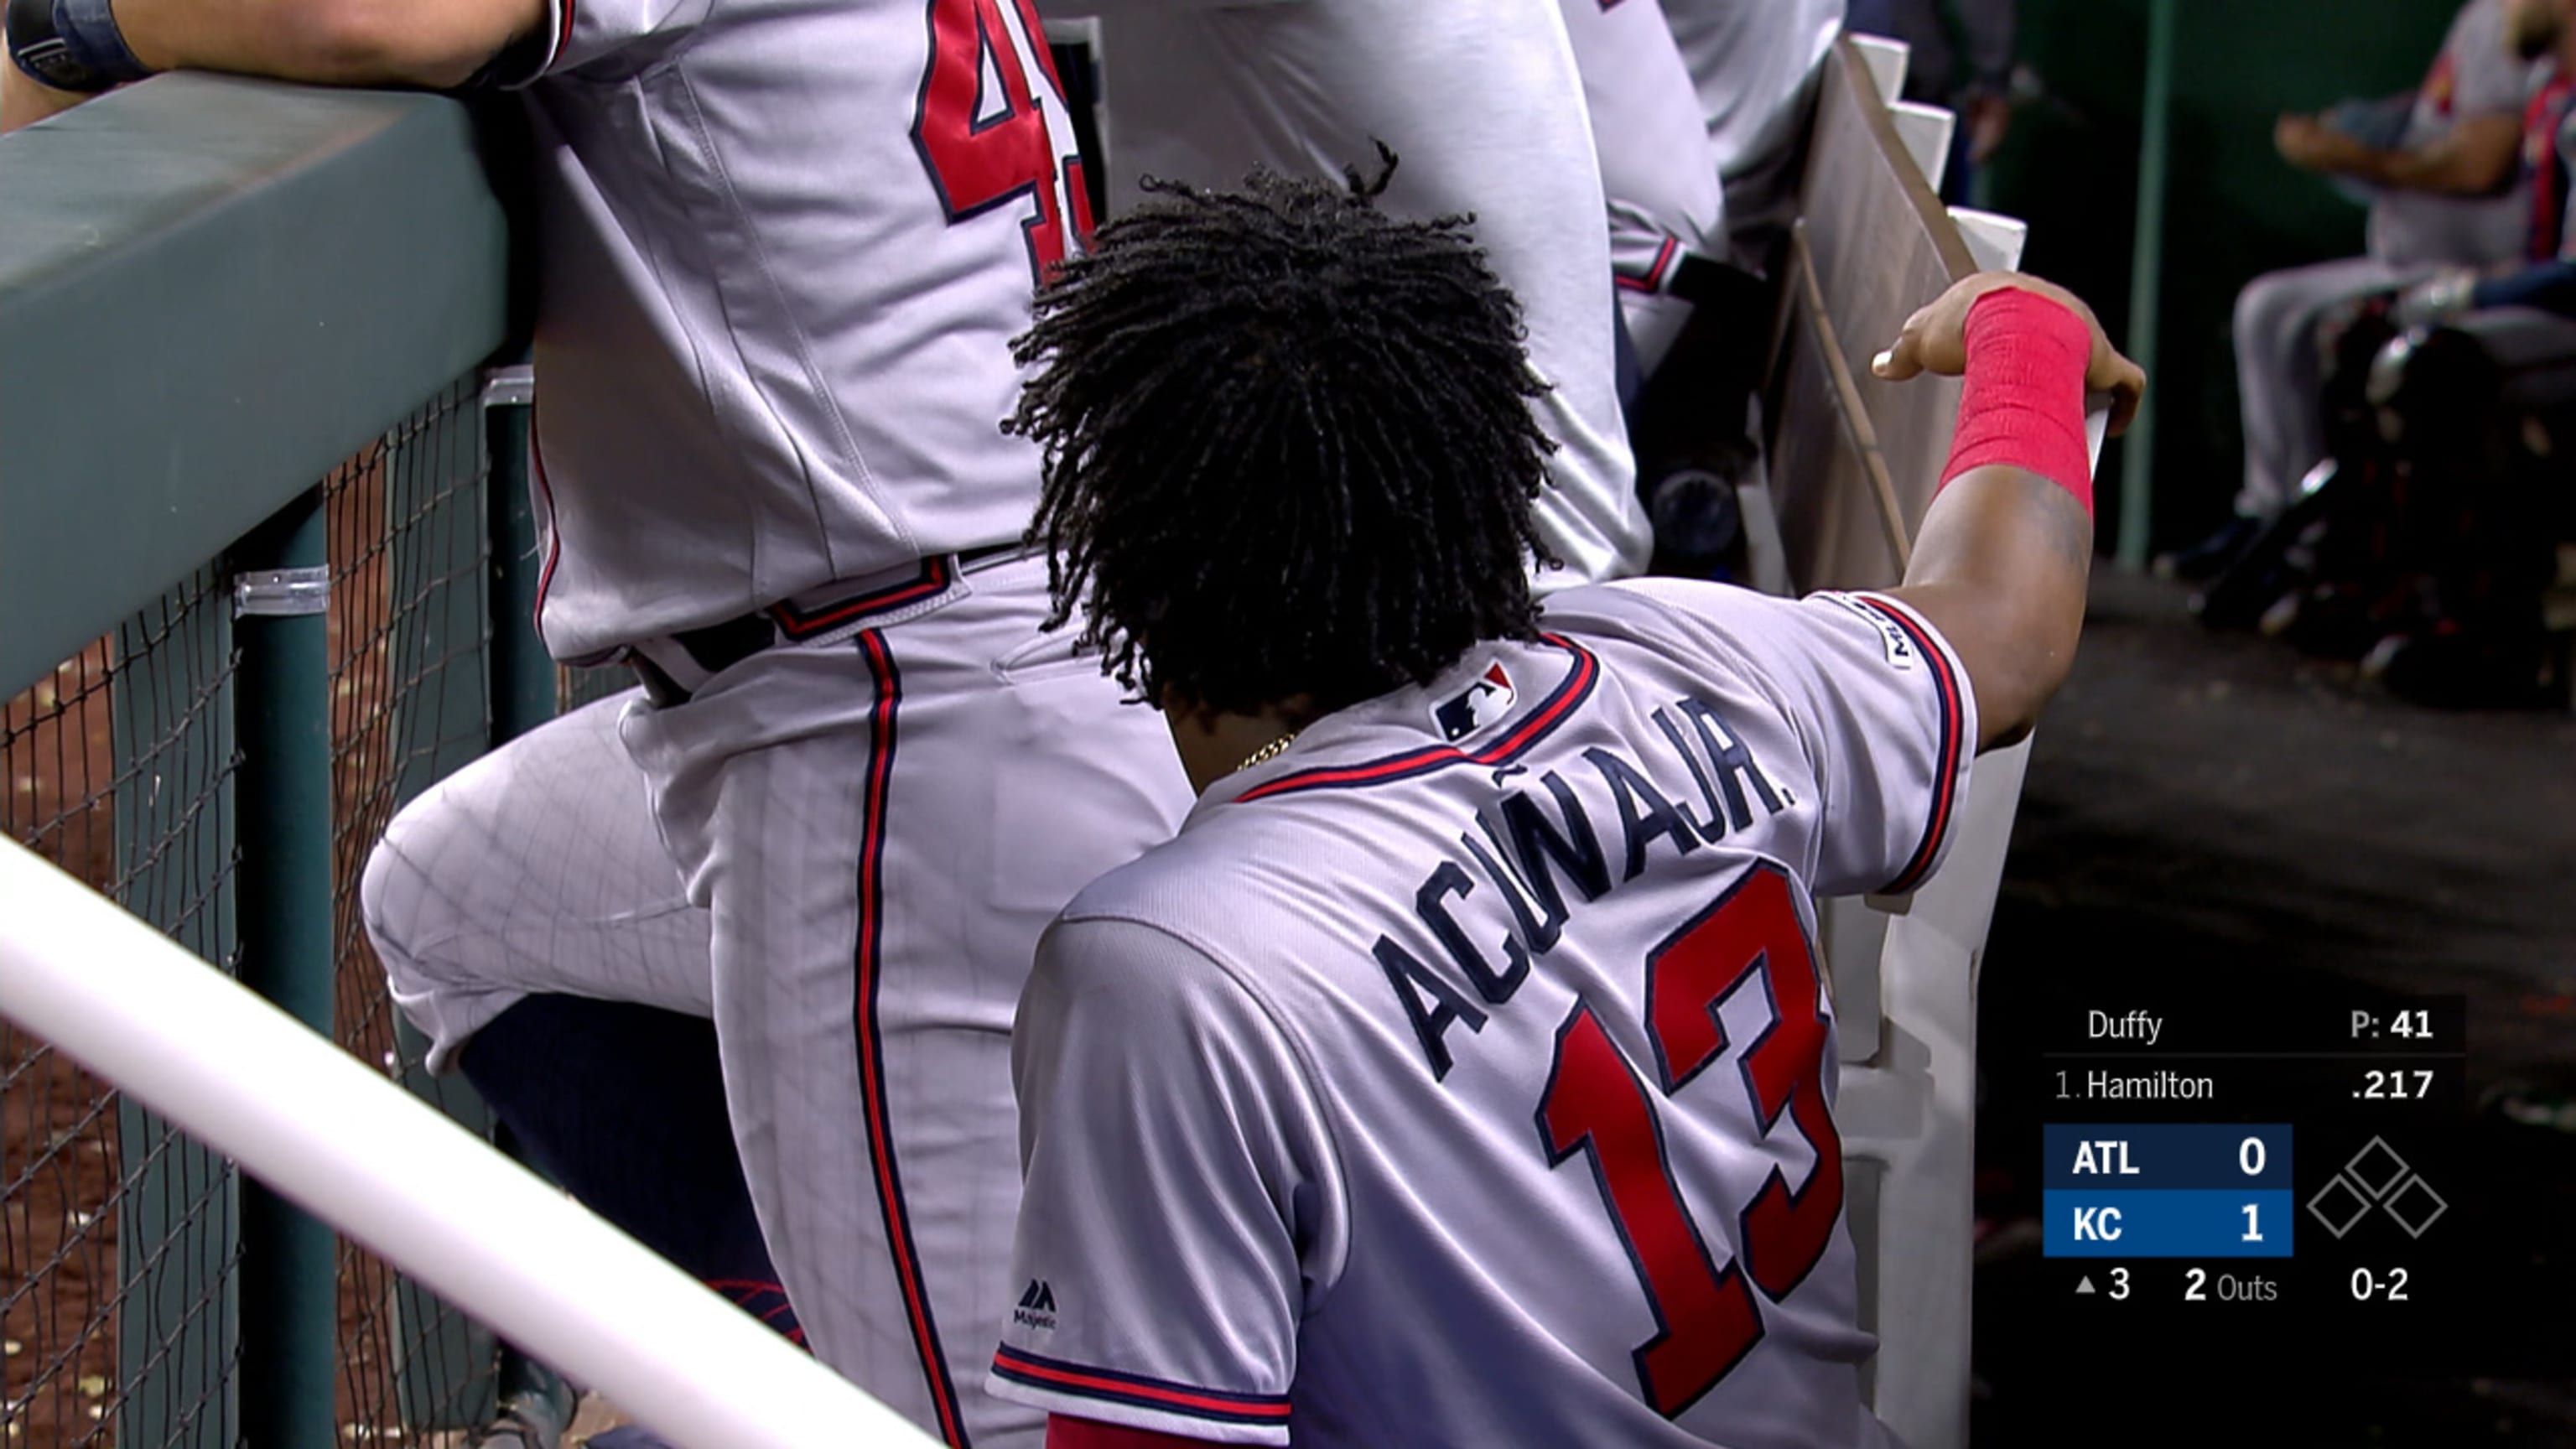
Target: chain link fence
<point x="119" y="1240"/>
<point x="410" y="562"/>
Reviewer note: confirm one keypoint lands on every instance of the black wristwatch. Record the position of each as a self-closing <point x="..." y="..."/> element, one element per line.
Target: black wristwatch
<point x="71" y="45"/>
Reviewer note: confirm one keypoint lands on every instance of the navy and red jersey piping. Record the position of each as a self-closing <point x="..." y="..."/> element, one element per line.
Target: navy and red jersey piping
<point x="1653" y="279"/>
<point x="928" y="581"/>
<point x="764" y="1300"/>
<point x="2548" y="168"/>
<point x="1136" y="1391"/>
<point x="870" y="966"/>
<point x="1542" y="720"/>
<point x="554" y="535"/>
<point x="1948" y="751"/>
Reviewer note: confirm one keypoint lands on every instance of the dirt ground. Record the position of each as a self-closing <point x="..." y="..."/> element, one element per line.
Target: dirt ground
<point x="2217" y="802"/>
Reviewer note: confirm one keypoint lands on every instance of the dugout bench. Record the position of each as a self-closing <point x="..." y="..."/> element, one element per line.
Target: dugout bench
<point x="1852" y="466"/>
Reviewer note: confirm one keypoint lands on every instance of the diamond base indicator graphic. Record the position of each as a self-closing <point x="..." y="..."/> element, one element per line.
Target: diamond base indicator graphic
<point x="2377" y="1177"/>
<point x="2232" y="1168"/>
<point x="2339" y="1205"/>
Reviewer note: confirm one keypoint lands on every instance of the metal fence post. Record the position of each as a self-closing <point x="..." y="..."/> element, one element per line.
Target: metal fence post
<point x="289" y="1299"/>
<point x="2146" y="281"/>
<point x="523" y="676"/>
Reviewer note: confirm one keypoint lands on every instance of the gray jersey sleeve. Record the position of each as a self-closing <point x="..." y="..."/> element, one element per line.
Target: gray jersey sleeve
<point x="2487" y="78"/>
<point x="576" y="33"/>
<point x="1181" y="1202"/>
<point x="1880" y="705"/>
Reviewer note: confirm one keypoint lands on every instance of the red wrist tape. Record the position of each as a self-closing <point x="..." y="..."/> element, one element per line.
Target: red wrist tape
<point x="2023" y="406"/>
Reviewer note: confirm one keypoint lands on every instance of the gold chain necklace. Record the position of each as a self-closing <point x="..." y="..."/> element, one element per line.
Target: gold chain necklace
<point x="1268" y="752"/>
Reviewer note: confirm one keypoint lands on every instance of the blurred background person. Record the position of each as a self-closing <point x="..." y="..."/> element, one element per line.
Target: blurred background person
<point x="1963" y="55"/>
<point x="2543" y="31"/>
<point x="2445" y="188"/>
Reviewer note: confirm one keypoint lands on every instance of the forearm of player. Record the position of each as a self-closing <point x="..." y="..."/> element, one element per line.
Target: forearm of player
<point x="2000" y="564"/>
<point x="2000" y="568"/>
<point x="429" y="43"/>
<point x="2474" y="158"/>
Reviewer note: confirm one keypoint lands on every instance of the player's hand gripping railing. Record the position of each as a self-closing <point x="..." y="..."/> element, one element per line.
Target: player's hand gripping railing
<point x="377" y="1163"/>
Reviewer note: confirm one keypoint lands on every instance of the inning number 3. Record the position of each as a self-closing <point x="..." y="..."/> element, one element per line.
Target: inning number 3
<point x="1707" y="1319"/>
<point x="984" y="151"/>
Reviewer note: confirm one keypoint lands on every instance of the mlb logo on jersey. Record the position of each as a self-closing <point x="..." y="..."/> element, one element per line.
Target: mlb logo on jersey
<point x="1482" y="703"/>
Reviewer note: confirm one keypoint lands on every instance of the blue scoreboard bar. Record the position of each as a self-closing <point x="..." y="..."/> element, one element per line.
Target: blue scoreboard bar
<point x="2167" y="1190"/>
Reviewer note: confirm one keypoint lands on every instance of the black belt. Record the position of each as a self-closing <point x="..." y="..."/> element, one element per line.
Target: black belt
<point x="1702" y="281"/>
<point x="661" y="689"/>
<point x="716" y="648"/>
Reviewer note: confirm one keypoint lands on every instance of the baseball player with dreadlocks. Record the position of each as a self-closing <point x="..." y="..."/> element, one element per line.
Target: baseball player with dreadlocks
<point x="1462" y="1073"/>
<point x="1203" y="92"/>
<point x="783" y="247"/>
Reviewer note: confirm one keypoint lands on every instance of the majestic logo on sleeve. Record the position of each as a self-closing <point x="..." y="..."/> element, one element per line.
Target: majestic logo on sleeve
<point x="1900" y="649"/>
<point x="1037" y="1306"/>
<point x="1481" y="704"/>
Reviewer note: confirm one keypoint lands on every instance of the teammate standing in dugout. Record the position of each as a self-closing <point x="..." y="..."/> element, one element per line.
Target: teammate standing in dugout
<point x="782" y="249"/>
<point x="1462" y="1073"/>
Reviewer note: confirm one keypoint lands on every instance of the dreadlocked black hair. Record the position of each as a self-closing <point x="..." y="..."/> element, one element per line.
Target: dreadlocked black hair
<point x="1288" y="445"/>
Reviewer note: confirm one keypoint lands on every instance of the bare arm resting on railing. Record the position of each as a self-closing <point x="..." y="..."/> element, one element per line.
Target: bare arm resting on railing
<point x="429" y="43"/>
<point x="2003" y="556"/>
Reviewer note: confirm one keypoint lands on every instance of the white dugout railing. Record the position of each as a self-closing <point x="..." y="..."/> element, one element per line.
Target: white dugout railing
<point x="355" y="1149"/>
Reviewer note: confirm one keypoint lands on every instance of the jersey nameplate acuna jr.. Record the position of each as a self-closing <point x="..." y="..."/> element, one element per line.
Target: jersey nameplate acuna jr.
<point x="1465" y="1075"/>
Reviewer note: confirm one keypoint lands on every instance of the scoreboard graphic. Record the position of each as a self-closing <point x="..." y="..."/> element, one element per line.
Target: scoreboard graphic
<point x="2225" y="1173"/>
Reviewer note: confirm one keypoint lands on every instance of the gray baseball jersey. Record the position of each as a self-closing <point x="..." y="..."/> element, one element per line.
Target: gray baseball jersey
<point x="1754" y="63"/>
<point x="2475" y="75"/>
<point x="1664" y="198"/>
<point x="785" y="245"/>
<point x="1464" y="1075"/>
<point x="785" y="255"/>
<point x="1484" y="106"/>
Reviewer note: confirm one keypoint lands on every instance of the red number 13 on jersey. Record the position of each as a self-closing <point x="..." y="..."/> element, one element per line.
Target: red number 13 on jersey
<point x="1595" y="1101"/>
<point x="983" y="150"/>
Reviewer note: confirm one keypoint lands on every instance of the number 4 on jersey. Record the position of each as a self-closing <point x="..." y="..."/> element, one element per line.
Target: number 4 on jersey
<point x="1706" y="1319"/>
<point x="981" y="127"/>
